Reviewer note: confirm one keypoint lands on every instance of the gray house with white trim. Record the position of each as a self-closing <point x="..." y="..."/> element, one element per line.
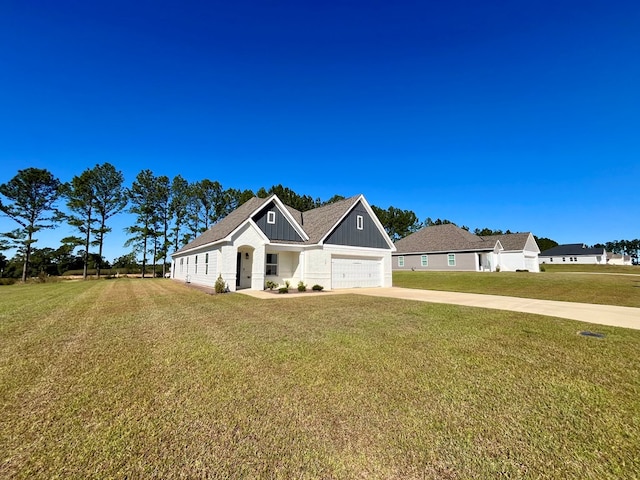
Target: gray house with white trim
<point x="340" y="245"/>
<point x="450" y="248"/>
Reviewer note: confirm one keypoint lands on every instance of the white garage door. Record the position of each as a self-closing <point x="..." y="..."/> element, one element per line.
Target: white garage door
<point x="354" y="272"/>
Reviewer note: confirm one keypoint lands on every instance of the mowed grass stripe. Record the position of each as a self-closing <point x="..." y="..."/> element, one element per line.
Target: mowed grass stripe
<point x="158" y="380"/>
<point x="610" y="289"/>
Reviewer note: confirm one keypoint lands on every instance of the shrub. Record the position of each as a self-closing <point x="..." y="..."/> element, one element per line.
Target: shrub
<point x="283" y="290"/>
<point x="498" y="268"/>
<point x="287" y="284"/>
<point x="7" y="281"/>
<point x="542" y="269"/>
<point x="301" y="286"/>
<point x="518" y="270"/>
<point x="270" y="284"/>
<point x="220" y="286"/>
<point x="317" y="288"/>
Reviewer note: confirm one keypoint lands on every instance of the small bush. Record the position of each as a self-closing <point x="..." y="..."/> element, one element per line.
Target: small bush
<point x="270" y="284"/>
<point x="283" y="290"/>
<point x="220" y="286"/>
<point x="301" y="286"/>
<point x="542" y="269"/>
<point x="498" y="268"/>
<point x="518" y="270"/>
<point x="7" y="281"/>
<point x="287" y="284"/>
<point x="317" y="288"/>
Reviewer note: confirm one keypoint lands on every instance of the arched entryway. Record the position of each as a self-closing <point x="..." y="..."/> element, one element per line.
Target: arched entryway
<point x="244" y="266"/>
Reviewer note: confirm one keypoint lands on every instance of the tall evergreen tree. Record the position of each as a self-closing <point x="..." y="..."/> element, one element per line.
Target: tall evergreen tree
<point x="141" y="197"/>
<point x="30" y="202"/>
<point x="110" y="198"/>
<point x="178" y="208"/>
<point x="80" y="196"/>
<point x="163" y="215"/>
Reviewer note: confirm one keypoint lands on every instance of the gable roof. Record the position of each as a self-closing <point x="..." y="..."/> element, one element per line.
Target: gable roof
<point x="511" y="241"/>
<point x="571" y="250"/>
<point x="443" y="238"/>
<point x="450" y="238"/>
<point x="316" y="223"/>
<point x="320" y="221"/>
<point x="227" y="225"/>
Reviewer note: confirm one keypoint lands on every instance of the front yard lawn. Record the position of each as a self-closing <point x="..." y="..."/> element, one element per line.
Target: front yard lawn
<point x="135" y="378"/>
<point x="610" y="289"/>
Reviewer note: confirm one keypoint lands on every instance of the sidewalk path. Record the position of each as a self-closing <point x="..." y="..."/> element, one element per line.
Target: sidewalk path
<point x="627" y="317"/>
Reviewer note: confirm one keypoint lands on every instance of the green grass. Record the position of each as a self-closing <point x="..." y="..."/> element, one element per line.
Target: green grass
<point x="146" y="378"/>
<point x="621" y="290"/>
<point x="576" y="267"/>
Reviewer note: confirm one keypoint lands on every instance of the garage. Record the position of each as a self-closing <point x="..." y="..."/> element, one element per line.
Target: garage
<point x="531" y="264"/>
<point x="354" y="272"/>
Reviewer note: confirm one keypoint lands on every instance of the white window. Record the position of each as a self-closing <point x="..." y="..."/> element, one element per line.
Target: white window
<point x="452" y="259"/>
<point x="359" y="222"/>
<point x="206" y="264"/>
<point x="424" y="261"/>
<point x="272" y="264"/>
<point x="401" y="261"/>
<point x="181" y="264"/>
<point x="271" y="218"/>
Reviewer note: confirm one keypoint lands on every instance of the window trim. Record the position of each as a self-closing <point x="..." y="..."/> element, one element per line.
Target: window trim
<point x="359" y="222"/>
<point x="271" y="217"/>
<point x="401" y="261"/>
<point x="450" y="257"/>
<point x="267" y="272"/>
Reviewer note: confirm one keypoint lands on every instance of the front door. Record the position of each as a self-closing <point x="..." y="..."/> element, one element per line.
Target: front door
<point x="238" y="267"/>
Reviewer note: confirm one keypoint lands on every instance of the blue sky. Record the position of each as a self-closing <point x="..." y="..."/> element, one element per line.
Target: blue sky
<point x="509" y="115"/>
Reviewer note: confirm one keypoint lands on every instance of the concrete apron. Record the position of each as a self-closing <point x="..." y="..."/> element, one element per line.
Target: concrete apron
<point x="615" y="316"/>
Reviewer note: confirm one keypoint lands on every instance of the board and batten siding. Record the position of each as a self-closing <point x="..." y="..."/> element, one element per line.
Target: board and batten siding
<point x="281" y="229"/>
<point x="348" y="233"/>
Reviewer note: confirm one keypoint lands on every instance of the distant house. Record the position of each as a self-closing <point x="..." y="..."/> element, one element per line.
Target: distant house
<point x="572" y="253"/>
<point x="618" y="259"/>
<point x="448" y="247"/>
<point x="340" y="245"/>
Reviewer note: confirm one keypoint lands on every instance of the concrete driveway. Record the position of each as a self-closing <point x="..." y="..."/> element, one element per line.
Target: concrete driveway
<point x="627" y="317"/>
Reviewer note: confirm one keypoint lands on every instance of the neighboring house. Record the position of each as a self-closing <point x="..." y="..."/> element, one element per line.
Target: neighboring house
<point x="574" y="253"/>
<point x="618" y="259"/>
<point x="448" y="247"/>
<point x="519" y="251"/>
<point x="340" y="245"/>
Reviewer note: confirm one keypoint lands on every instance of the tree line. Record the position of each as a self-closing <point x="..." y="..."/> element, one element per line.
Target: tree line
<point x="168" y="214"/>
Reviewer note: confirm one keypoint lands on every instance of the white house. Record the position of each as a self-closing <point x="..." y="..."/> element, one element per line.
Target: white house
<point x="340" y="245"/>
<point x="572" y="253"/>
<point x="618" y="259"/>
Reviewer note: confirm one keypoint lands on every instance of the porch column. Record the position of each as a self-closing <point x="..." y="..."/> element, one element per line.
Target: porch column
<point x="257" y="268"/>
<point x="228" y="266"/>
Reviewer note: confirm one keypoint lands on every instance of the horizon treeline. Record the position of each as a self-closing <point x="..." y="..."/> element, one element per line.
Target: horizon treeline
<point x="167" y="214"/>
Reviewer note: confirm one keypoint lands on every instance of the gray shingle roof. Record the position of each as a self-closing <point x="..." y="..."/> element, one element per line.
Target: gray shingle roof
<point x="227" y="225"/>
<point x="317" y="223"/>
<point x="510" y="241"/>
<point x="443" y="238"/>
